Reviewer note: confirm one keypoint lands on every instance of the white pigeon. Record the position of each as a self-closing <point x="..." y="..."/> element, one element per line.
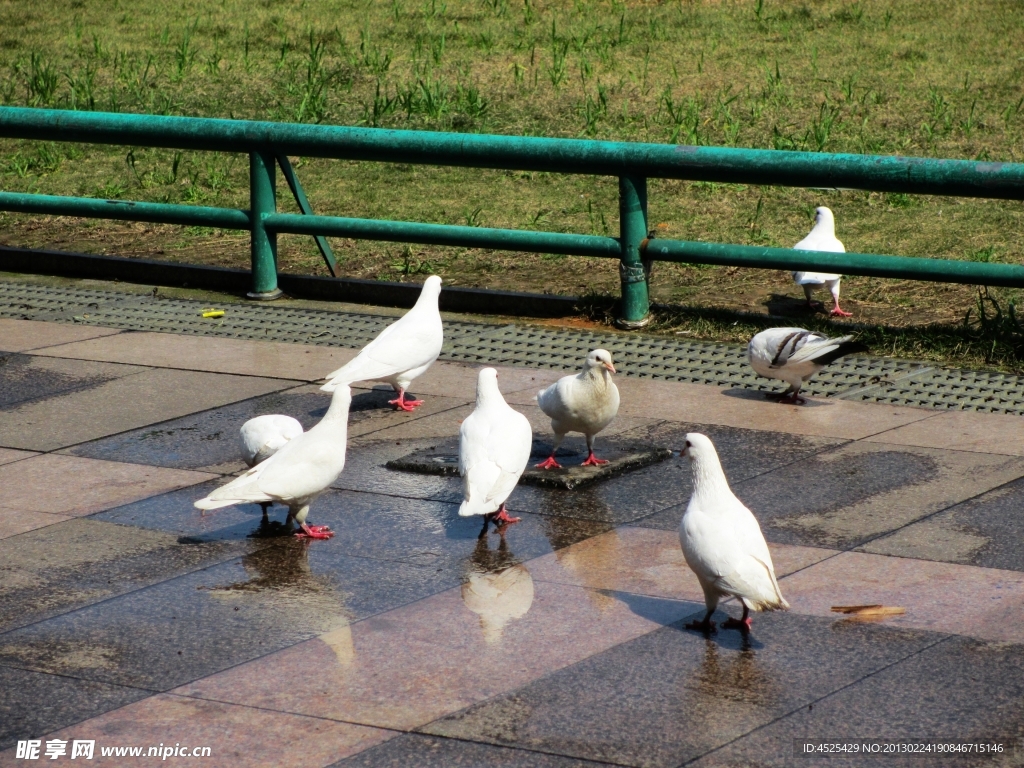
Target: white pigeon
<point x="793" y="355"/>
<point x="300" y="471"/>
<point x="584" y="403"/>
<point x="264" y="436"/>
<point x="821" y="238"/>
<point x="494" y="449"/>
<point x="401" y="352"/>
<point x="722" y="542"/>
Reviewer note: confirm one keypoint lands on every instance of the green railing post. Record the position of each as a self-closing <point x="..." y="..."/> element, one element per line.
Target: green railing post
<point x="263" y="243"/>
<point x="633" y="311"/>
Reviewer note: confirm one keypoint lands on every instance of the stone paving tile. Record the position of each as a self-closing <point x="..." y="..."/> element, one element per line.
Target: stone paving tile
<point x="415" y="664"/>
<point x="83" y="561"/>
<point x="459" y="380"/>
<point x="637" y="496"/>
<point x="205" y="621"/>
<point x="983" y="603"/>
<point x="431" y="533"/>
<point x="987" y="530"/>
<point x="34" y="704"/>
<point x="210" y="440"/>
<point x="708" y="404"/>
<point x="7" y="455"/>
<point x="238" y="736"/>
<point x="15" y="521"/>
<point x="70" y="485"/>
<point x="844" y="497"/>
<point x="646" y="561"/>
<point x="123" y="404"/>
<point x="24" y="378"/>
<point x="413" y="749"/>
<point x="23" y="335"/>
<point x="672" y="695"/>
<point x="271" y="359"/>
<point x="174" y="512"/>
<point x="962" y="431"/>
<point x="75" y="486"/>
<point x="959" y="688"/>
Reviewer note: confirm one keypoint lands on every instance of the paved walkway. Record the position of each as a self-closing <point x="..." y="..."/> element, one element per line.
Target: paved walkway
<point x="129" y="618"/>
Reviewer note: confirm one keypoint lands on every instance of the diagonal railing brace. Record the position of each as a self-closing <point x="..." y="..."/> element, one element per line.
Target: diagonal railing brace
<point x="300" y="197"/>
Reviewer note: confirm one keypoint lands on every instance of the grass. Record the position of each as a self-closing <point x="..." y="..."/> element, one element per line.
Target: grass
<point x="909" y="77"/>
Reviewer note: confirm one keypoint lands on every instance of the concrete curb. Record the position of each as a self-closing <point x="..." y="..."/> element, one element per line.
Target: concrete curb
<point x="376" y="292"/>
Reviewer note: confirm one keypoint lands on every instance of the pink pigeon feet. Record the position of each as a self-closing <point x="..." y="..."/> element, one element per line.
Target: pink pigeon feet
<point x="502" y="517"/>
<point x="837" y="312"/>
<point x="401" y="404"/>
<point x="790" y="398"/>
<point x="315" y="532"/>
<point x="593" y="461"/>
<point x="743" y="625"/>
<point x="549" y="463"/>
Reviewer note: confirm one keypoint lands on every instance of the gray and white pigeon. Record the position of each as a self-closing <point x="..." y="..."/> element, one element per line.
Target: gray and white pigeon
<point x="723" y="544"/>
<point x="264" y="436"/>
<point x="401" y="352"/>
<point x="300" y="471"/>
<point x="794" y="355"/>
<point x="821" y="238"/>
<point x="494" y="449"/>
<point x="584" y="403"/>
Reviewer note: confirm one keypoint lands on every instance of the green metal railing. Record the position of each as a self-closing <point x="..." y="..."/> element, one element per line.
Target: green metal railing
<point x="269" y="145"/>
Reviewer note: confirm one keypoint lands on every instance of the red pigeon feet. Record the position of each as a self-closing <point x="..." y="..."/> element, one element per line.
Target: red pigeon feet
<point x="549" y="463"/>
<point x="837" y="312"/>
<point x="706" y="626"/>
<point x="401" y="404"/>
<point x="593" y="461"/>
<point x="315" y="532"/>
<point x="743" y="625"/>
<point x="501" y="517"/>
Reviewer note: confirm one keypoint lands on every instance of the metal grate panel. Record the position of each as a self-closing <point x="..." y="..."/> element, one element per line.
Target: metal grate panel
<point x="897" y="382"/>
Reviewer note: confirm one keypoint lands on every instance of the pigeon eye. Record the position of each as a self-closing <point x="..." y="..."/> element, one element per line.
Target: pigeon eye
<point x="687" y="443"/>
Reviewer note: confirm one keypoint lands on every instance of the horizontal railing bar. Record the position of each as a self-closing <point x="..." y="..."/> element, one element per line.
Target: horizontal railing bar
<point x="125" y="210"/>
<point x="967" y="178"/>
<point x="868" y="265"/>
<point x="444" y="234"/>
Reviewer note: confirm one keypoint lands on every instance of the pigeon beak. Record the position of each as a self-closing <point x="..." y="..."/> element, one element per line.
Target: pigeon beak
<point x="609" y="366"/>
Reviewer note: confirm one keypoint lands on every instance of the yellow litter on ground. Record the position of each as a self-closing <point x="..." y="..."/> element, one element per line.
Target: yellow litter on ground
<point x="213" y="313"/>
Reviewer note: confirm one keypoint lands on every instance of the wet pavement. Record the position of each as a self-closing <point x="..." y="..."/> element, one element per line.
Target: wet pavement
<point x="130" y="618"/>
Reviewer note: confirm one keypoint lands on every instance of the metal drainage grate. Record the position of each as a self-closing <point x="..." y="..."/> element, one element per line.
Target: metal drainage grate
<point x="897" y="382"/>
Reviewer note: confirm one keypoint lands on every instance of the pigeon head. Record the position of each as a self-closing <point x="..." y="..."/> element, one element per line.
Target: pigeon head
<point x="341" y="400"/>
<point x="823" y="218"/>
<point x="600" y="358"/>
<point x="433" y="284"/>
<point x="698" y="446"/>
<point x="487" y="387"/>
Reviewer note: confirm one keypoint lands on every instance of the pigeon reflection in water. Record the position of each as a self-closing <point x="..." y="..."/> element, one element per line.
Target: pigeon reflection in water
<point x="282" y="590"/>
<point x="498" y="588"/>
<point x="732" y="676"/>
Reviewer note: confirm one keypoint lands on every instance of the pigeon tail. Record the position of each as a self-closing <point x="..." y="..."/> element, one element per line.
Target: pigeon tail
<point x="842" y="349"/>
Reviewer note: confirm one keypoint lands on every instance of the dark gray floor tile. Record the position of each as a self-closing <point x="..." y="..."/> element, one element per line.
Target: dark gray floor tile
<point x="961" y="688"/>
<point x="987" y="531"/>
<point x="673" y="695"/>
<point x="431" y="533"/>
<point x="32" y="377"/>
<point x="745" y="454"/>
<point x="433" y="752"/>
<point x="176" y="631"/>
<point x="62" y="567"/>
<point x="34" y="703"/>
<point x="207" y="439"/>
<point x="174" y="513"/>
